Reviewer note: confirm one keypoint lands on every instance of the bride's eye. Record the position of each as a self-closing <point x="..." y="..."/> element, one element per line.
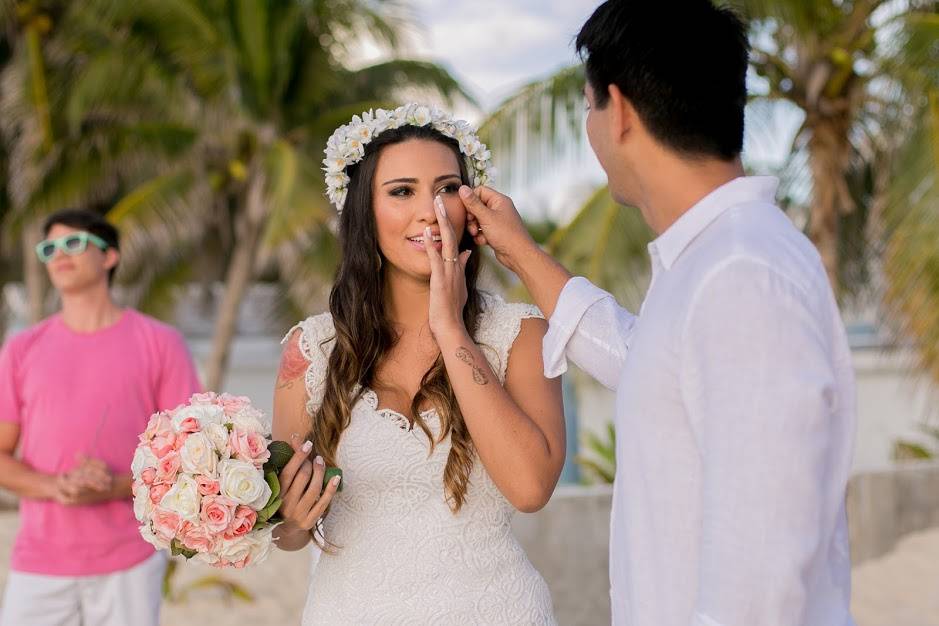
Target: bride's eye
<point x="451" y="188"/>
<point x="401" y="192"/>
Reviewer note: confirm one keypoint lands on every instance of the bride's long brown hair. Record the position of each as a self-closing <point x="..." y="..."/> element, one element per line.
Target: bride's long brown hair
<point x="364" y="334"/>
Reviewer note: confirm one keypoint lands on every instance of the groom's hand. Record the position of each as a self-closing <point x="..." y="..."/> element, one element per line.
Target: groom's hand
<point x="493" y="220"/>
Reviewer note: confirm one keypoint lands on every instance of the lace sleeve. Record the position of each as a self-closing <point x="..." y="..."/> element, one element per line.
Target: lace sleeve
<point x="498" y="327"/>
<point x="317" y="337"/>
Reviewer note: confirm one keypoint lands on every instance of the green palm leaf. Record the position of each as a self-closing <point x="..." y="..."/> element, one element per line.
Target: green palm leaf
<point x="606" y="243"/>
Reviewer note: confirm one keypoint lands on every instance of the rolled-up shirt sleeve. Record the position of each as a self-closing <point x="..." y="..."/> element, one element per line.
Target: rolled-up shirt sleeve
<point x="589" y="328"/>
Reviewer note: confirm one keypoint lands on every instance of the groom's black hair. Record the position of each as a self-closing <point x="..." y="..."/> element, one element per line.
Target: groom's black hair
<point x="682" y="65"/>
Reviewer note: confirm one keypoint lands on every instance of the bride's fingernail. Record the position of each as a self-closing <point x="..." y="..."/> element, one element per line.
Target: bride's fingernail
<point x="465" y="191"/>
<point x="318" y="460"/>
<point x="439" y="204"/>
<point x="307" y="446"/>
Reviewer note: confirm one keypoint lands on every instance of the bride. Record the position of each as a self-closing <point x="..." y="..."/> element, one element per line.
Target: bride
<point x="426" y="392"/>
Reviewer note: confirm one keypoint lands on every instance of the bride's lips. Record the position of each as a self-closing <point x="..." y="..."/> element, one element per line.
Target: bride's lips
<point x="419" y="245"/>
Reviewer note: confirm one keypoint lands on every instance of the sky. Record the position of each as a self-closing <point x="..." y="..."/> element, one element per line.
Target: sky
<point x="494" y="47"/>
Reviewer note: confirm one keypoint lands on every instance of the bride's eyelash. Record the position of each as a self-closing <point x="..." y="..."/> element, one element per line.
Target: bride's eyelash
<point x="401" y="192"/>
<point x="451" y="188"/>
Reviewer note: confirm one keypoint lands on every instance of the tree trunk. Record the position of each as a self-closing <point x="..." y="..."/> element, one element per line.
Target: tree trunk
<point x="829" y="150"/>
<point x="34" y="274"/>
<point x="237" y="280"/>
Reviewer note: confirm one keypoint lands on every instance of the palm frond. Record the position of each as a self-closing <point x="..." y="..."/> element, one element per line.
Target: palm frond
<point x="389" y="79"/>
<point x="296" y="199"/>
<point x="537" y="128"/>
<point x="606" y="243"/>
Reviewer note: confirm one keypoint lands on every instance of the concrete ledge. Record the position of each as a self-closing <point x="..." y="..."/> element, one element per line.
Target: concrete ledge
<point x="886" y="505"/>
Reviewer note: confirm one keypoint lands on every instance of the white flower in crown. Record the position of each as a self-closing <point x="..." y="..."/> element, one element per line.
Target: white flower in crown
<point x="347" y="144"/>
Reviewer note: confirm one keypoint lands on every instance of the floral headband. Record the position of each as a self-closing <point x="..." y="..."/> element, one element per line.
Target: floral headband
<point x="347" y="145"/>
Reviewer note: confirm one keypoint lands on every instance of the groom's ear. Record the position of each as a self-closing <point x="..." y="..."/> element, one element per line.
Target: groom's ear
<point x="622" y="114"/>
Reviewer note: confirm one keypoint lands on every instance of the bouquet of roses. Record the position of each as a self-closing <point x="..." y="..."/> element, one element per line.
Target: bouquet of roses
<point x="206" y="481"/>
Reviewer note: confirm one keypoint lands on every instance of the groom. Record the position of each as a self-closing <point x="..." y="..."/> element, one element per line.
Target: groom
<point x="735" y="401"/>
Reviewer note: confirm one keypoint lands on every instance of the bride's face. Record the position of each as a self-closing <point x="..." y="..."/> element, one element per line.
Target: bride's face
<point x="407" y="178"/>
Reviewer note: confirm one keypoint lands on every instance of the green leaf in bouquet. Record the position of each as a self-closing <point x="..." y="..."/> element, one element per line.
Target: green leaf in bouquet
<point x="330" y="472"/>
<point x="274" y="483"/>
<point x="281" y="452"/>
<point x="177" y="548"/>
<point x="268" y="512"/>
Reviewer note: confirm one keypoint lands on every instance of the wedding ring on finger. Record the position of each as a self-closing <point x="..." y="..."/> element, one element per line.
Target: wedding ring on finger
<point x="453" y="260"/>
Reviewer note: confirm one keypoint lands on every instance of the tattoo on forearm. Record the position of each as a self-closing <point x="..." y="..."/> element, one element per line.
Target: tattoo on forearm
<point x="479" y="375"/>
<point x="292" y="366"/>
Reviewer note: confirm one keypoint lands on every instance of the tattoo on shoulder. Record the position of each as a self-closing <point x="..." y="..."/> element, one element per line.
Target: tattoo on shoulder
<point x="479" y="374"/>
<point x="292" y="366"/>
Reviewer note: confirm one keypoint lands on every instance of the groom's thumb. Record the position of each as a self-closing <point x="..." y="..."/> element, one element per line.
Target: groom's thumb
<point x="472" y="202"/>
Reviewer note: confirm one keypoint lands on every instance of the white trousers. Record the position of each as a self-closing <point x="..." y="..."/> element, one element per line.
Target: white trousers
<point x="129" y="597"/>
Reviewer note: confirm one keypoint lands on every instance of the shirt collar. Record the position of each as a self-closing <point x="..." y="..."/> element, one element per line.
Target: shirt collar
<point x="668" y="246"/>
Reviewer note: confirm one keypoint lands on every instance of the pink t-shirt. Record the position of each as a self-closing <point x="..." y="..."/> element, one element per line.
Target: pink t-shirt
<point x="91" y="394"/>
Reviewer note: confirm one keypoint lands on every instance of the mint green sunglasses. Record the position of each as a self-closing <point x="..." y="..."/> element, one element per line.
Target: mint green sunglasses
<point x="71" y="244"/>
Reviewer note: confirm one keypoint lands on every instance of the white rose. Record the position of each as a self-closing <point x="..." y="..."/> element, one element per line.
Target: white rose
<point x="143" y="458"/>
<point x="204" y="414"/>
<point x="183" y="498"/>
<point x="152" y="538"/>
<point x="218" y="435"/>
<point x="209" y="558"/>
<point x="197" y="455"/>
<point x="251" y="420"/>
<point x="242" y="482"/>
<point x="255" y="545"/>
<point x="142" y="504"/>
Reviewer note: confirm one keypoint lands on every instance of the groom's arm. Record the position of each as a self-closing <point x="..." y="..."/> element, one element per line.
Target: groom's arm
<point x="586" y="325"/>
<point x="762" y="397"/>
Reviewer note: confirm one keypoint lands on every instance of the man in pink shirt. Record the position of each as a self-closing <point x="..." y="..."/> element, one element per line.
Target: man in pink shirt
<point x="75" y="392"/>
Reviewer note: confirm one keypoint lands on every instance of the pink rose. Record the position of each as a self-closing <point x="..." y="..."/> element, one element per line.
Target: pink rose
<point x="159" y="422"/>
<point x="180" y="440"/>
<point x="167" y="467"/>
<point x="198" y="537"/>
<point x="148" y="476"/>
<point x="157" y="491"/>
<point x="233" y="404"/>
<point x="207" y="486"/>
<point x="189" y="425"/>
<point x="165" y="523"/>
<point x="242" y="523"/>
<point x="248" y="446"/>
<point x="203" y="398"/>
<point x="217" y="513"/>
<point x="163" y="440"/>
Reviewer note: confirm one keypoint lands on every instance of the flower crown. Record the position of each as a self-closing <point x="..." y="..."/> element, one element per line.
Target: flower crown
<point x="347" y="144"/>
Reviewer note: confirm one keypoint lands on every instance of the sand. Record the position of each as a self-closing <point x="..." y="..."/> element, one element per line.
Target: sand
<point x="900" y="588"/>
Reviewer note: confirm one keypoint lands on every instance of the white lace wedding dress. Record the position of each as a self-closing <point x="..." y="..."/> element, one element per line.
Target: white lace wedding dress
<point x="403" y="557"/>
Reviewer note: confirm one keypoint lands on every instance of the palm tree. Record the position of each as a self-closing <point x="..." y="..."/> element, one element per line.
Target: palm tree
<point x="200" y="118"/>
<point x="862" y="171"/>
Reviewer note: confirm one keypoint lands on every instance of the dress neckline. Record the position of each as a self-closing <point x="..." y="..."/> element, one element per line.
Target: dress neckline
<point x="396" y="417"/>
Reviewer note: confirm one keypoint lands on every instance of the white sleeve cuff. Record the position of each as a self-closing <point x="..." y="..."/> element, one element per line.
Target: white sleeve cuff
<point x="578" y="295"/>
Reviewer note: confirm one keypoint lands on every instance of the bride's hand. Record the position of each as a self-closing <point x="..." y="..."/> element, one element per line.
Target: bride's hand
<point x="447" y="276"/>
<point x="301" y="482"/>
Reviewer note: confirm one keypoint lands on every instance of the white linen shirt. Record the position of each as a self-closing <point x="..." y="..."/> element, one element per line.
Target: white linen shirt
<point x="735" y="421"/>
